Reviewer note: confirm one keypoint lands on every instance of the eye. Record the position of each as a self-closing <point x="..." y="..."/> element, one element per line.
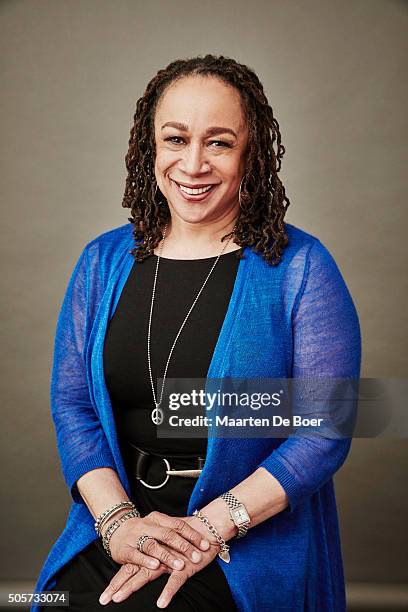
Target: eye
<point x="172" y="138"/>
<point x="221" y="142"/>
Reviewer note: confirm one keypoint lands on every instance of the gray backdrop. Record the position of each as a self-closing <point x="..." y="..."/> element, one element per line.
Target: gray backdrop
<point x="71" y="74"/>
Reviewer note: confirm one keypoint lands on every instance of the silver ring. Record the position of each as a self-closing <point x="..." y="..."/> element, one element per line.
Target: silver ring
<point x="163" y="483"/>
<point x="142" y="540"/>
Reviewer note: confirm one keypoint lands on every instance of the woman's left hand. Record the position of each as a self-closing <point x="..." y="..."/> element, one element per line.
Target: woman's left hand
<point x="130" y="579"/>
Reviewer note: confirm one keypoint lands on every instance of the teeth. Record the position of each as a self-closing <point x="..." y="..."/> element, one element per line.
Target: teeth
<point x="195" y="191"/>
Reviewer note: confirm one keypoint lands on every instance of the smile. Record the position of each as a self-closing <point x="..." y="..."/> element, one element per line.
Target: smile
<point x="194" y="194"/>
<point x="195" y="191"/>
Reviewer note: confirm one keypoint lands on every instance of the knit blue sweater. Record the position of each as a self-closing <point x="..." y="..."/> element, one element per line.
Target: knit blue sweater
<point x="296" y="319"/>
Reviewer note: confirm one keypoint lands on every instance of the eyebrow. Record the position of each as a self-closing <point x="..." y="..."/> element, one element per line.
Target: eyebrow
<point x="212" y="131"/>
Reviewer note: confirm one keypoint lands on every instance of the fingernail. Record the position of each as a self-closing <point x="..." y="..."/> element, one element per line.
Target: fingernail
<point x="196" y="556"/>
<point x="205" y="544"/>
<point x="104" y="598"/>
<point x="178" y="564"/>
<point x="154" y="563"/>
<point x="161" y="602"/>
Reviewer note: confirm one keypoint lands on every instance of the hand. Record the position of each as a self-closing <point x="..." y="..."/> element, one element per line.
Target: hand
<point x="131" y="577"/>
<point x="177" y="534"/>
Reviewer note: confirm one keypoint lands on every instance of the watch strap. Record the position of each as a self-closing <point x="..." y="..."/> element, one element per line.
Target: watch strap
<point x="232" y="502"/>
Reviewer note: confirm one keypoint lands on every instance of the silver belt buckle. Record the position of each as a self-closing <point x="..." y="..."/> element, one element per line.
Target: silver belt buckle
<point x="186" y="473"/>
<point x="170" y="472"/>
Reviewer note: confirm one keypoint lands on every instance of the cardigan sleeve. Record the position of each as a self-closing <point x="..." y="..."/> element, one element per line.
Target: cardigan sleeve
<point x="81" y="441"/>
<point x="326" y="343"/>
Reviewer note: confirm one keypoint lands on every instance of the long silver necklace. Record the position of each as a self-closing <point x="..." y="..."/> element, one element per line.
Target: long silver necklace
<point x="157" y="414"/>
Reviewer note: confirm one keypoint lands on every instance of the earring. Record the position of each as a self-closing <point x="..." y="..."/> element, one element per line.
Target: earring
<point x="239" y="193"/>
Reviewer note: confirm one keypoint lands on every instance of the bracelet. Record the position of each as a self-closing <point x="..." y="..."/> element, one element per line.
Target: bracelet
<point x="105" y="521"/>
<point x="102" y="518"/>
<point x="114" y="526"/>
<point x="224" y="548"/>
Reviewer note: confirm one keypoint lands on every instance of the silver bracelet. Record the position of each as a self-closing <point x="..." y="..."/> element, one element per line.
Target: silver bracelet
<point x="224" y="548"/>
<point x="106" y="520"/>
<point x="102" y="518"/>
<point x="114" y="526"/>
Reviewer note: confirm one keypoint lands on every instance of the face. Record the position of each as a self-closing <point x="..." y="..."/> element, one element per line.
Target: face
<point x="201" y="139"/>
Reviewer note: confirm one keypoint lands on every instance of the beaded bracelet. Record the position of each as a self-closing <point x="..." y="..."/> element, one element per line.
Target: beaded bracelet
<point x="102" y="518"/>
<point x="106" y="520"/>
<point x="224" y="548"/>
<point x="114" y="526"/>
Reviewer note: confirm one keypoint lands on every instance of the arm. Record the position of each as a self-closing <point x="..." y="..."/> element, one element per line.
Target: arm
<point x="81" y="441"/>
<point x="259" y="507"/>
<point x="327" y="343"/>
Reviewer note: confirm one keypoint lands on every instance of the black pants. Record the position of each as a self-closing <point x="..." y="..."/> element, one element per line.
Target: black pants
<point x="88" y="574"/>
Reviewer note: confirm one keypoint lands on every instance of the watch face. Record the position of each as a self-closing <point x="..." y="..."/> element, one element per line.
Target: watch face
<point x="240" y="515"/>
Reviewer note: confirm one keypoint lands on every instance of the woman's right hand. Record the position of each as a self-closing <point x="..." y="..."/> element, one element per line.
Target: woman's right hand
<point x="172" y="531"/>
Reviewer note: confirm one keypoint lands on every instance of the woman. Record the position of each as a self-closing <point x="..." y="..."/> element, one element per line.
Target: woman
<point x="215" y="283"/>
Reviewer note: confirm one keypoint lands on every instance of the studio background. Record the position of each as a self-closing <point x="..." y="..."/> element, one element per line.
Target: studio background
<point x="71" y="72"/>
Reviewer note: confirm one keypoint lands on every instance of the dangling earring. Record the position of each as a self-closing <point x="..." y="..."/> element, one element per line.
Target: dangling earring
<point x="239" y="193"/>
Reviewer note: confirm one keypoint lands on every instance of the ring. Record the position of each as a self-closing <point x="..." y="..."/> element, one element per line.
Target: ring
<point x="142" y="540"/>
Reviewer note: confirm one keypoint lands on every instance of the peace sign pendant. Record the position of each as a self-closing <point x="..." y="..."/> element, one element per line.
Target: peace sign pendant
<point x="157" y="415"/>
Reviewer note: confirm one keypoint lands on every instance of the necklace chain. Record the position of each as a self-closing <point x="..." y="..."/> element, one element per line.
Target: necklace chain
<point x="157" y="413"/>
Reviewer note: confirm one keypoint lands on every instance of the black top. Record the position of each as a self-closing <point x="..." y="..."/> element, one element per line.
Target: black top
<point x="125" y="350"/>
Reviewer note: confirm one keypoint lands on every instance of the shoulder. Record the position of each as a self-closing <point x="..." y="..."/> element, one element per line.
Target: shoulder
<point x="108" y="248"/>
<point x="298" y="236"/>
<point x="305" y="260"/>
<point x="313" y="270"/>
<point x="306" y="249"/>
<point x="303" y="247"/>
<point x="301" y="241"/>
<point x="103" y="254"/>
<point x="113" y="238"/>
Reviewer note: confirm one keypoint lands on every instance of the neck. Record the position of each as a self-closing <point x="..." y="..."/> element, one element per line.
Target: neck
<point x="193" y="241"/>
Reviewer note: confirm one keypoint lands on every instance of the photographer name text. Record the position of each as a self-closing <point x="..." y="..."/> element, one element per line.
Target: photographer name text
<point x="227" y="421"/>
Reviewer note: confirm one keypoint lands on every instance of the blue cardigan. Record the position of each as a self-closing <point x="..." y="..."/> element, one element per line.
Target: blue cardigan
<point x="293" y="320"/>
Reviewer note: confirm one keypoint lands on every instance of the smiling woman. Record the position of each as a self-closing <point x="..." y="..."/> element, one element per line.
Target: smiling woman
<point x="206" y="122"/>
<point x="213" y="523"/>
<point x="193" y="168"/>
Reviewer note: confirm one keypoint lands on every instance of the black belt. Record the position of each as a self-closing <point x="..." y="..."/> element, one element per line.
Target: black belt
<point x="139" y="460"/>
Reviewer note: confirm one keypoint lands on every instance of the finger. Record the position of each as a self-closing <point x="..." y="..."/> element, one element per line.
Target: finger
<point x="188" y="532"/>
<point x="142" y="577"/>
<point x="152" y="548"/>
<point x="129" y="554"/>
<point x="175" y="581"/>
<point x="183" y="528"/>
<point x="177" y="537"/>
<point x="120" y="578"/>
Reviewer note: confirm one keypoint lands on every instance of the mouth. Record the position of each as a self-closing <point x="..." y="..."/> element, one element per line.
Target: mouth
<point x="196" y="193"/>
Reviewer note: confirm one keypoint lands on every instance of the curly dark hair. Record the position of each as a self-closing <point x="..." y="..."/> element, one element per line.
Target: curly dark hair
<point x="260" y="224"/>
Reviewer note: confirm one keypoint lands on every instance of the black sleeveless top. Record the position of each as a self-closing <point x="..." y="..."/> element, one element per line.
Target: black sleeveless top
<point x="125" y="350"/>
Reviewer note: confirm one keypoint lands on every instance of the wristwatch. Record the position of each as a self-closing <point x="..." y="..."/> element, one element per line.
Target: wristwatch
<point x="238" y="513"/>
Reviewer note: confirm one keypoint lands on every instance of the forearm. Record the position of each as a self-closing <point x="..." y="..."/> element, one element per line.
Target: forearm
<point x="101" y="489"/>
<point x="260" y="506"/>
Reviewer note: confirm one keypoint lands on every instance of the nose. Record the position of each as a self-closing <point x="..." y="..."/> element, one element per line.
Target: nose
<point x="194" y="160"/>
